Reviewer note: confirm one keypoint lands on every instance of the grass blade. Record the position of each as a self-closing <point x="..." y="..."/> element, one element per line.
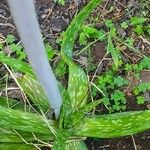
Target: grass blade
<point x="115" y="125"/>
<point x="114" y="53"/>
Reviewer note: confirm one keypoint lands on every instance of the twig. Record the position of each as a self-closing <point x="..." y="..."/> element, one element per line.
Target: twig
<point x="134" y="142"/>
<point x="48" y="124"/>
<point x="120" y="3"/>
<point x="145" y="40"/>
<point x="21" y="137"/>
<point x="98" y="67"/>
<point x="7" y="24"/>
<point x="1" y="16"/>
<point x="11" y="88"/>
<point x="49" y="13"/>
<point x="129" y="46"/>
<point x="46" y="144"/>
<point x="98" y="89"/>
<point x="104" y="146"/>
<point x="90" y="44"/>
<point x="2" y="39"/>
<point x="6" y="92"/>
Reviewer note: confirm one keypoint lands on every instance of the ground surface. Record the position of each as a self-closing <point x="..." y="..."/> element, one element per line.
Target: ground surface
<point x="55" y="19"/>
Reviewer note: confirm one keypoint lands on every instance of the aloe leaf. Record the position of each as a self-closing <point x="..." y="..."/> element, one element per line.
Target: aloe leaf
<point x="65" y="109"/>
<point x="61" y="142"/>
<point x="76" y="145"/>
<point x="77" y="116"/>
<point x="73" y="29"/>
<point x="34" y="91"/>
<point x="70" y="145"/>
<point x="114" y="125"/>
<point x="16" y="64"/>
<point x="11" y="103"/>
<point x="10" y="136"/>
<point x="61" y="138"/>
<point x="8" y="146"/>
<point x="64" y="94"/>
<point x="77" y="87"/>
<point x="28" y="83"/>
<point x="78" y="82"/>
<point x="25" y="121"/>
<point x="112" y="50"/>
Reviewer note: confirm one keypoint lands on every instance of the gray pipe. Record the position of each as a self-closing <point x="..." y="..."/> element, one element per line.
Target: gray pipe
<point x="24" y="15"/>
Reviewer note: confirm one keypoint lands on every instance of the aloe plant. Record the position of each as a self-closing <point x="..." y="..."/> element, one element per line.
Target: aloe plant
<point x="24" y="128"/>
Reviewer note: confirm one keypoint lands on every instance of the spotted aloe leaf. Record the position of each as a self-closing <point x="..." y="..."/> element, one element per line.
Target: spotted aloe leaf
<point x="61" y="139"/>
<point x="73" y="29"/>
<point x="28" y="82"/>
<point x="7" y="146"/>
<point x="76" y="145"/>
<point x="61" y="142"/>
<point x="12" y="136"/>
<point x="114" y="125"/>
<point x="78" y="82"/>
<point x="16" y="64"/>
<point x="34" y="91"/>
<point x="77" y="87"/>
<point x="77" y="116"/>
<point x="25" y="121"/>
